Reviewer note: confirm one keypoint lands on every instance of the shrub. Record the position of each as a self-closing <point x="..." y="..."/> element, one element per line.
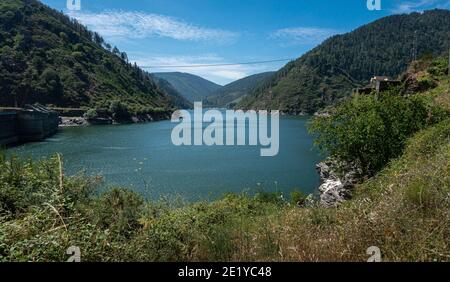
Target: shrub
<point x="426" y="83"/>
<point x="119" y="210"/>
<point x="298" y="198"/>
<point x="269" y="197"/>
<point x="119" y="111"/>
<point x="91" y="114"/>
<point x="370" y="130"/>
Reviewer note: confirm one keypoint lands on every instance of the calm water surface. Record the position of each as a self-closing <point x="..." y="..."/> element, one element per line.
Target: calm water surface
<point x="142" y="157"/>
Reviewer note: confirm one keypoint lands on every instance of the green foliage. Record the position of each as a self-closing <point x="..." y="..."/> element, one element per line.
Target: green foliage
<point x="47" y="57"/>
<point x="269" y="197"/>
<point x="370" y="130"/>
<point x="91" y="114"/>
<point x="426" y="83"/>
<point x="298" y="198"/>
<point x="119" y="211"/>
<point x="439" y="67"/>
<point x="119" y="111"/>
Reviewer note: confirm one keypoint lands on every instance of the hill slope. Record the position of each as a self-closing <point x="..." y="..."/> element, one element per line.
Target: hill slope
<point x="232" y="92"/>
<point x="49" y="58"/>
<point x="192" y="87"/>
<point x="178" y="99"/>
<point x="329" y="72"/>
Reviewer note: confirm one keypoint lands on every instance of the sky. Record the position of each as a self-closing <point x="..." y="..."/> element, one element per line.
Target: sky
<point x="174" y="35"/>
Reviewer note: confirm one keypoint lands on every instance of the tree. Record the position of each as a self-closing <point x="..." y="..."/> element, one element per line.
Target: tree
<point x="124" y="56"/>
<point x="116" y="51"/>
<point x="51" y="83"/>
<point x="119" y="111"/>
<point x="91" y="114"/>
<point x="370" y="130"/>
<point x="98" y="39"/>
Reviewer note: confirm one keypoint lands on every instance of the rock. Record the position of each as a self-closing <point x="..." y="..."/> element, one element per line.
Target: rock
<point x="336" y="187"/>
<point x="332" y="193"/>
<point x="72" y="121"/>
<point x="100" y="121"/>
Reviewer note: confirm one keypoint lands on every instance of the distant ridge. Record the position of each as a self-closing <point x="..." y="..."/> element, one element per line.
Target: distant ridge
<point x="178" y="99"/>
<point x="230" y="94"/>
<point x="191" y="87"/>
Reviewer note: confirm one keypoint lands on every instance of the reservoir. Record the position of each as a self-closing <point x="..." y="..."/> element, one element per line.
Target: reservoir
<point x="142" y="157"/>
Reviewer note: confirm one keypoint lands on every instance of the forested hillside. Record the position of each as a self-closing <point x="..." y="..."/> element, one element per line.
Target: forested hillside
<point x="47" y="57"/>
<point x="234" y="91"/>
<point x="178" y="99"/>
<point x="330" y="71"/>
<point x="192" y="87"/>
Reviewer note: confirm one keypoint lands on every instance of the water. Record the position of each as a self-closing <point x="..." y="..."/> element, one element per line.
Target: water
<point x="141" y="157"/>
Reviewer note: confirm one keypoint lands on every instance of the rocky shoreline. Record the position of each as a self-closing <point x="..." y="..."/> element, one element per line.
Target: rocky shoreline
<point x="338" y="180"/>
<point x="72" y="121"/>
<point x="81" y="121"/>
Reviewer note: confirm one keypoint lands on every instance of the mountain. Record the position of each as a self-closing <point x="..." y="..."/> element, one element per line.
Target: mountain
<point x="192" y="87"/>
<point x="47" y="57"/>
<point x="328" y="73"/>
<point x="231" y="93"/>
<point x="178" y="99"/>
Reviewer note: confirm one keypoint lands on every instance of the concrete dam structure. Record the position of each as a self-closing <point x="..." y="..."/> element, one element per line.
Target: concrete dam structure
<point x="33" y="123"/>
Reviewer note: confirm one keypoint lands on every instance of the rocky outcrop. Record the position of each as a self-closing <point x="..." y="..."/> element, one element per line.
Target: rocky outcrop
<point x="72" y="121"/>
<point x="337" y="181"/>
<point x="416" y="79"/>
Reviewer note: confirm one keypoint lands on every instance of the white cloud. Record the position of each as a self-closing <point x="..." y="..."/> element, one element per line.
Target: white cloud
<point x="123" y="24"/>
<point x="419" y="5"/>
<point x="219" y="74"/>
<point x="303" y="35"/>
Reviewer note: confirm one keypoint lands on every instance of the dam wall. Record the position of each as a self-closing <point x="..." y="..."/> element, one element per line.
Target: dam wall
<point x="27" y="125"/>
<point x="8" y="128"/>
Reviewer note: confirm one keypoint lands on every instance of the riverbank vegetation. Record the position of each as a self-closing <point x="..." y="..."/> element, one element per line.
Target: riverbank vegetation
<point x="403" y="209"/>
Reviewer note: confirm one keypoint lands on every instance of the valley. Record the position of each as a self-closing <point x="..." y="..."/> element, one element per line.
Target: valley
<point x="344" y="150"/>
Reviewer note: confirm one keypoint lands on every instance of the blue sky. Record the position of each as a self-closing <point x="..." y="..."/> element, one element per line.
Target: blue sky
<point x="193" y="32"/>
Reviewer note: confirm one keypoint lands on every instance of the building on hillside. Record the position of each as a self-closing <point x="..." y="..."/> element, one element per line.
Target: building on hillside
<point x="378" y="84"/>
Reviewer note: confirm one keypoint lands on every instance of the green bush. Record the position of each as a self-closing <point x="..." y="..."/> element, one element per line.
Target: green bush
<point x="426" y="83"/>
<point x="369" y="130"/>
<point x="298" y="198"/>
<point x="439" y="67"/>
<point x="91" y="114"/>
<point x="119" y="111"/>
